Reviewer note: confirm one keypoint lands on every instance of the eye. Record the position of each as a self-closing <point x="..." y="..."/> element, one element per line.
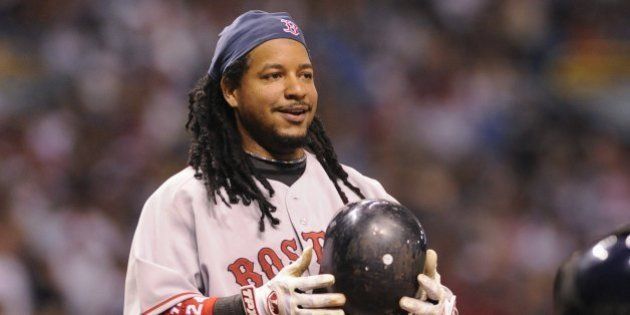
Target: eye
<point x="307" y="75"/>
<point x="272" y="76"/>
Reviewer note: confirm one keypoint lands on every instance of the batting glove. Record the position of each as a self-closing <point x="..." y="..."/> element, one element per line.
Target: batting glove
<point x="284" y="295"/>
<point x="432" y="298"/>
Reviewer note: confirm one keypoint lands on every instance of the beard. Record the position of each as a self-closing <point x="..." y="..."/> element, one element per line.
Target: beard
<point x="267" y="136"/>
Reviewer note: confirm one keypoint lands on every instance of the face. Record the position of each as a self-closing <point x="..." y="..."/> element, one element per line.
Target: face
<point x="276" y="100"/>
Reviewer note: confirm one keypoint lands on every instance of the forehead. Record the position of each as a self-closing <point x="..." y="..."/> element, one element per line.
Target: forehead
<point x="283" y="51"/>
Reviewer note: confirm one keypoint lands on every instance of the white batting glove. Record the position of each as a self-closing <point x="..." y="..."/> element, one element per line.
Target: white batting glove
<point x="279" y="296"/>
<point x="430" y="288"/>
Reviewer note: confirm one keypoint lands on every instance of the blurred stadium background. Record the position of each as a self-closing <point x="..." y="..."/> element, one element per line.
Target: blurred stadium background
<point x="504" y="124"/>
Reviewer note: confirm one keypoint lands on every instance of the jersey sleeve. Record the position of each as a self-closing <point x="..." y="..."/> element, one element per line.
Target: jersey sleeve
<point x="163" y="260"/>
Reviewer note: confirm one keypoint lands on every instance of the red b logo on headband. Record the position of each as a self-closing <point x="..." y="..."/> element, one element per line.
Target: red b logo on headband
<point x="290" y="27"/>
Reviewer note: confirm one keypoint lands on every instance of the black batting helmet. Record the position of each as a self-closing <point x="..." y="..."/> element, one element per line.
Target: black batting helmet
<point x="596" y="280"/>
<point x="375" y="249"/>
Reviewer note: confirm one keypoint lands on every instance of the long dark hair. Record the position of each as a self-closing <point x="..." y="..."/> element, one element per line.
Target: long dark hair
<point x="216" y="152"/>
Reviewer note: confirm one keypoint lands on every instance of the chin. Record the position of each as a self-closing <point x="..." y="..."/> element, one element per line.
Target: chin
<point x="291" y="132"/>
<point x="291" y="140"/>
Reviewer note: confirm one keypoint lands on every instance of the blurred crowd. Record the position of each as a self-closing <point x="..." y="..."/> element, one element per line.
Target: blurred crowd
<point x="505" y="125"/>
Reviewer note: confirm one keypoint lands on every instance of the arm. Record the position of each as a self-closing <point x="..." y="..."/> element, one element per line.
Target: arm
<point x="163" y="266"/>
<point x="284" y="295"/>
<point x="163" y="261"/>
<point x="208" y="306"/>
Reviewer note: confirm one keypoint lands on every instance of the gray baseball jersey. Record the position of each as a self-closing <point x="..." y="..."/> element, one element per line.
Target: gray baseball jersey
<point x="186" y="246"/>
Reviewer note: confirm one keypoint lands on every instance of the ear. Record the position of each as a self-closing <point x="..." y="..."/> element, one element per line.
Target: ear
<point x="229" y="94"/>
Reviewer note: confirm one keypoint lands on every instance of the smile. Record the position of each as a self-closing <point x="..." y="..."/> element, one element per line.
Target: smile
<point x="294" y="114"/>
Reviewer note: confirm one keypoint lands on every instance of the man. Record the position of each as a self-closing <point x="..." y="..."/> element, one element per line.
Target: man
<point x="263" y="184"/>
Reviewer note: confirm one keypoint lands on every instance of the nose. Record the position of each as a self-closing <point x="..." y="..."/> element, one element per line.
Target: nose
<point x="295" y="89"/>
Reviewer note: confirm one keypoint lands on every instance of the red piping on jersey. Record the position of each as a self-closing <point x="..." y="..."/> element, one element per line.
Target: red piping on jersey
<point x="166" y="301"/>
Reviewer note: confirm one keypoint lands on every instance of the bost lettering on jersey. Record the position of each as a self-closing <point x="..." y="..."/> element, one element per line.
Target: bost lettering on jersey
<point x="269" y="261"/>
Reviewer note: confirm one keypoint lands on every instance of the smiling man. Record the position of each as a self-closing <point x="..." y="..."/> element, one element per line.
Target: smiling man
<point x="236" y="231"/>
<point x="275" y="101"/>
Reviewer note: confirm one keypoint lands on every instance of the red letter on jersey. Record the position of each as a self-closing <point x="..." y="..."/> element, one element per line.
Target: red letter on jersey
<point x="265" y="253"/>
<point x="243" y="271"/>
<point x="315" y="238"/>
<point x="285" y="249"/>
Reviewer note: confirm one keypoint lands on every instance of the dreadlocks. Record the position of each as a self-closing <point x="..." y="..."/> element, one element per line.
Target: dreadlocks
<point x="217" y="155"/>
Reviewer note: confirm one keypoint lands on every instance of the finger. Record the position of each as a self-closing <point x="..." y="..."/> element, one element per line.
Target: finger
<point x="322" y="300"/>
<point x="432" y="287"/>
<point x="313" y="282"/>
<point x="317" y="312"/>
<point x="417" y="307"/>
<point x="430" y="263"/>
<point x="298" y="267"/>
<point x="421" y="294"/>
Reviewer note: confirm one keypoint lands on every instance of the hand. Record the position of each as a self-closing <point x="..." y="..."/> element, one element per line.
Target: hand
<point x="281" y="296"/>
<point x="431" y="289"/>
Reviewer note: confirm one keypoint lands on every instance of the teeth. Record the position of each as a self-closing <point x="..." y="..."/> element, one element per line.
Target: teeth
<point x="295" y="112"/>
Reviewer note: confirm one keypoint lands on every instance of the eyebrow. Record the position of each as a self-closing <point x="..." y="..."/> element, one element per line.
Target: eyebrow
<point x="279" y="66"/>
<point x="305" y="66"/>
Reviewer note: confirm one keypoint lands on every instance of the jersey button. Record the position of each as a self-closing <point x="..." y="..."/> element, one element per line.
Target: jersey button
<point x="303" y="221"/>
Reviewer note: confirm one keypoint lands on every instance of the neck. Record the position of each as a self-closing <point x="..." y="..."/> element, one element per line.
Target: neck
<point x="251" y="146"/>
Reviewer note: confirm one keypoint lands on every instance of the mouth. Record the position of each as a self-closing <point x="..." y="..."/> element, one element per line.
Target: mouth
<point x="294" y="113"/>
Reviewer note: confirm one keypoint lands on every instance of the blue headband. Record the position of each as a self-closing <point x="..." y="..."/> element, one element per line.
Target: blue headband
<point x="249" y="30"/>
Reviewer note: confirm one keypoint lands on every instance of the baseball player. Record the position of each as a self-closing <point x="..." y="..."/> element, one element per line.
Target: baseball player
<point x="240" y="231"/>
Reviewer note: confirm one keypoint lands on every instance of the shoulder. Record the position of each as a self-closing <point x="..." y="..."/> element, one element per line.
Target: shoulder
<point x="369" y="187"/>
<point x="358" y="178"/>
<point x="353" y="173"/>
<point x="177" y="193"/>
<point x="183" y="181"/>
